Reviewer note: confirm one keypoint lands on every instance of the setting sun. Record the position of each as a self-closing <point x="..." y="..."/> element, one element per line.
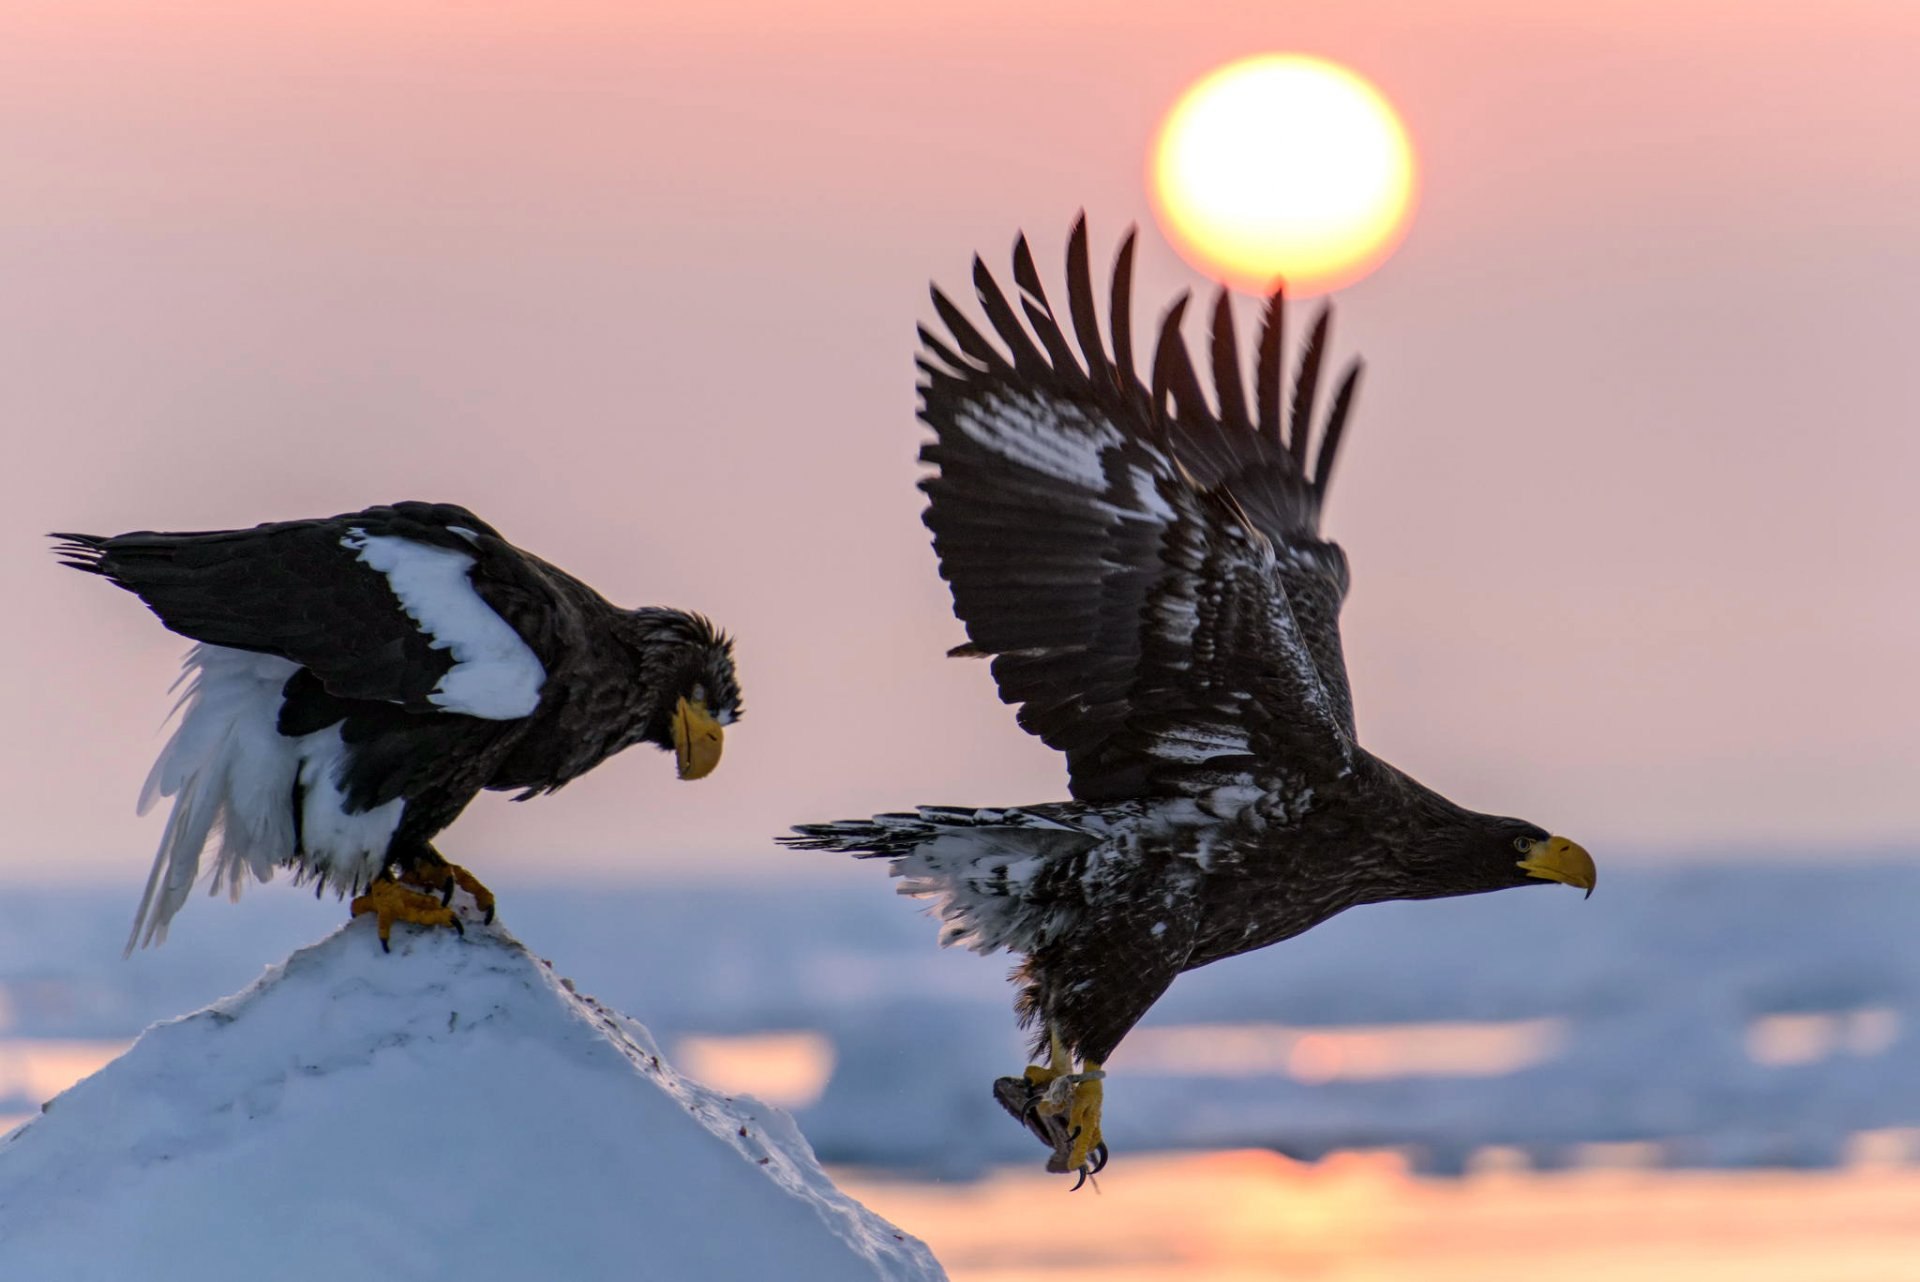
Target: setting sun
<point x="1283" y="167"/>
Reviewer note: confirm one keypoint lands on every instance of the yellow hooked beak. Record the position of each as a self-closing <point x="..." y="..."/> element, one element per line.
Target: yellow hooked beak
<point x="697" y="739"/>
<point x="1557" y="859"/>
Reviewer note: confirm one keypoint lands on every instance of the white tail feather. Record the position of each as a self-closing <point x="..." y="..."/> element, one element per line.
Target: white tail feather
<point x="981" y="880"/>
<point x="229" y="770"/>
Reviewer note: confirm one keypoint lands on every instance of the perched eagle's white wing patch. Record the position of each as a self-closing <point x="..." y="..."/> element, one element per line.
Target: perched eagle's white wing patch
<point x="494" y="674"/>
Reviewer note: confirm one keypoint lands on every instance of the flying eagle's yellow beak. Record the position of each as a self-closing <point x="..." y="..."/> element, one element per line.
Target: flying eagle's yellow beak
<point x="697" y="739"/>
<point x="1557" y="859"/>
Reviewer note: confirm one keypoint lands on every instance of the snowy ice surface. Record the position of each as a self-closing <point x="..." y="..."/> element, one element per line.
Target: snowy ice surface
<point x="450" y="1110"/>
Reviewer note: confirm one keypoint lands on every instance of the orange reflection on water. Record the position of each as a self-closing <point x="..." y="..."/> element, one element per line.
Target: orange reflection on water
<point x="34" y="1070"/>
<point x="1240" y="1216"/>
<point x="1352" y="1053"/>
<point x="1780" y="1040"/>
<point x="38" y="1069"/>
<point x="787" y="1070"/>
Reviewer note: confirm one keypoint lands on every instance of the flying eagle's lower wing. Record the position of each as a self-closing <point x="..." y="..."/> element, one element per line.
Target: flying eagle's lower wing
<point x="1145" y="573"/>
<point x="419" y="604"/>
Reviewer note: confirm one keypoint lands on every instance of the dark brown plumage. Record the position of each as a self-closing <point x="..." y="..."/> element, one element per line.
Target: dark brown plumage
<point x="360" y="678"/>
<point x="1145" y="567"/>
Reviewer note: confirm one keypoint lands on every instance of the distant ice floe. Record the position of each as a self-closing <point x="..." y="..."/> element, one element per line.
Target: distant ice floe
<point x="1723" y="1014"/>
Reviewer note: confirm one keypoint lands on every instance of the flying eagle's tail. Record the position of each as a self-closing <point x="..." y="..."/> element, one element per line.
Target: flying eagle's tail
<point x="889" y="836"/>
<point x="987" y="871"/>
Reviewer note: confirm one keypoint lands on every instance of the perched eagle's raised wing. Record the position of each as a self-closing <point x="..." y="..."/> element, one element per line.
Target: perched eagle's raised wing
<point x="420" y="604"/>
<point x="1146" y="571"/>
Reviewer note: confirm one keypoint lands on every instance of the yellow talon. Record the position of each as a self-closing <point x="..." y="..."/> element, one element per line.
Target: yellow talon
<point x="1083" y="1116"/>
<point x="1078" y="1095"/>
<point x="1061" y="1107"/>
<point x="389" y="901"/>
<point x="442" y="878"/>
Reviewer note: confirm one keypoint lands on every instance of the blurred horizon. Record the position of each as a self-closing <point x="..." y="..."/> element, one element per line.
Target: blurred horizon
<point x="1536" y="1031"/>
<point x="775" y="866"/>
<point x="1388" y="1096"/>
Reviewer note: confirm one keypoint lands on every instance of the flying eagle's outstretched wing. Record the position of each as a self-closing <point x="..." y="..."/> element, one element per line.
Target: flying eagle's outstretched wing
<point x="1145" y="568"/>
<point x="419" y="604"/>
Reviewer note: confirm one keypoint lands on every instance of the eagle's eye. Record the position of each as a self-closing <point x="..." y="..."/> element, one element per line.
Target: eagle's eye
<point x="1522" y="845"/>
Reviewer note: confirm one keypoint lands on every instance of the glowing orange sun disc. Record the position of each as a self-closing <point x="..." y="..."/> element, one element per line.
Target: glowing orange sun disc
<point x="1283" y="166"/>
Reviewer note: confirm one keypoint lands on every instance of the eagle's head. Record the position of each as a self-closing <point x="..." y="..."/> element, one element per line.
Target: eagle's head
<point x="1494" y="853"/>
<point x="1438" y="850"/>
<point x="687" y="668"/>
<point x="1427" y="847"/>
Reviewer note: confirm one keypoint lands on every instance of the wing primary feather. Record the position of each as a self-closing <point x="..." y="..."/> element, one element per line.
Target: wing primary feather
<point x="1033" y="301"/>
<point x="1173" y="369"/>
<point x="1142" y="560"/>
<point x="1027" y="359"/>
<point x="1122" y="311"/>
<point x="969" y="339"/>
<point x="1336" y="424"/>
<point x="1306" y="385"/>
<point x="1025" y="274"/>
<point x="941" y="352"/>
<point x="1268" y="381"/>
<point x="1226" y="366"/>
<point x="1080" y="305"/>
<point x="1168" y="354"/>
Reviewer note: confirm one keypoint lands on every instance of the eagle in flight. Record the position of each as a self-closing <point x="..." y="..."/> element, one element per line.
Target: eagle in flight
<point x="1145" y="568"/>
<point x="359" y="679"/>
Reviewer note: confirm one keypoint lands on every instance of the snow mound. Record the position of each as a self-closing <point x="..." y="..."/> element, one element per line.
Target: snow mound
<point x="453" y="1109"/>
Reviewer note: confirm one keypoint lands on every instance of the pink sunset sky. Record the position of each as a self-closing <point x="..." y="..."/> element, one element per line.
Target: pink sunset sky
<point x="1629" y="496"/>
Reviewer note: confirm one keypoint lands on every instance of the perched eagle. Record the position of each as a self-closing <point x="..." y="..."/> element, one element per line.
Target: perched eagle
<point x="1145" y="567"/>
<point x="360" y="679"/>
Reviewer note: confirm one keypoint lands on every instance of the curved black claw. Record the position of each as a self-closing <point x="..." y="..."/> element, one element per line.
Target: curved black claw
<point x="458" y="927"/>
<point x="1096" y="1162"/>
<point x="488" y="919"/>
<point x="446" y="893"/>
<point x="385" y="947"/>
<point x="1021" y="1099"/>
